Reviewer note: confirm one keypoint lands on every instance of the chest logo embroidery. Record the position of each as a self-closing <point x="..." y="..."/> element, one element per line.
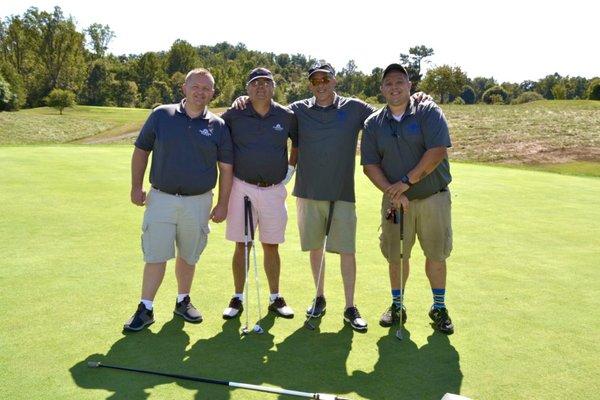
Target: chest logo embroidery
<point x="278" y="127"/>
<point x="205" y="132"/>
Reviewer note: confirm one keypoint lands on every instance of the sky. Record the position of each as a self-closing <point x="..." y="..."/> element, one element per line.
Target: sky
<point x="511" y="40"/>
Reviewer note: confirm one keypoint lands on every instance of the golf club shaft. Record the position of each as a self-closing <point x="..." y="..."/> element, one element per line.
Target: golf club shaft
<point x="327" y="227"/>
<point x="401" y="217"/>
<point x="256" y="282"/>
<point x="246" y="261"/>
<point x="260" y="388"/>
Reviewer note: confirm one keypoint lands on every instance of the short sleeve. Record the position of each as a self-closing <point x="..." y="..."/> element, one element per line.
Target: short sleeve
<point x="435" y="128"/>
<point x="367" y="110"/>
<point x="147" y="136"/>
<point x="225" y="148"/>
<point x="368" y="146"/>
<point x="293" y="133"/>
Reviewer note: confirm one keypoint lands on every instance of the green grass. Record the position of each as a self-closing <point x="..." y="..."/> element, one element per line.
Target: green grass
<point x="523" y="283"/>
<point x="45" y="125"/>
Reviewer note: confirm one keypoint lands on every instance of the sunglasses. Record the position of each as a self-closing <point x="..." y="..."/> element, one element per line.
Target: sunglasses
<point x="261" y="83"/>
<point x="317" y="82"/>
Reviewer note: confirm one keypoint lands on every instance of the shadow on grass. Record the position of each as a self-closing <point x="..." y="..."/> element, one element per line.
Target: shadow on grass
<point x="308" y="361"/>
<point x="404" y="371"/>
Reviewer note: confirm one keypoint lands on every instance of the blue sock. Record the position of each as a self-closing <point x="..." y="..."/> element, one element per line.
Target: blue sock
<point x="439" y="300"/>
<point x="397" y="297"/>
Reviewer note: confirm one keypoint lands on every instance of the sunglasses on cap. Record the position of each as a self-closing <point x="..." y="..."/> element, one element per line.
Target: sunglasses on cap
<point x="316" y="82"/>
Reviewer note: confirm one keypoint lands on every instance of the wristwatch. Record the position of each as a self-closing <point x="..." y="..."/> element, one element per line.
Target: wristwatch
<point x="405" y="179"/>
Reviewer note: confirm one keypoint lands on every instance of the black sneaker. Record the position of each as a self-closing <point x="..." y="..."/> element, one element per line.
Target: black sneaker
<point x="391" y="316"/>
<point x="352" y="316"/>
<point x="140" y="319"/>
<point x="279" y="307"/>
<point x="441" y="320"/>
<point x="234" y="310"/>
<point x="187" y="311"/>
<point x="319" y="307"/>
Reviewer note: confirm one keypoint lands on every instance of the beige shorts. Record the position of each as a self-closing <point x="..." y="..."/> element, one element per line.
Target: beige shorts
<point x="428" y="219"/>
<point x="171" y="221"/>
<point x="312" y="222"/>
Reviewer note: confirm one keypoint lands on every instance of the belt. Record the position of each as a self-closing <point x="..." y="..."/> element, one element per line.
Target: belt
<point x="182" y="194"/>
<point x="261" y="184"/>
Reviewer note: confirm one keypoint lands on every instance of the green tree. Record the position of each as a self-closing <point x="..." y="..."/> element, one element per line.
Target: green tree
<point x="444" y="81"/>
<point x="468" y="95"/>
<point x="100" y="37"/>
<point x="158" y="93"/>
<point x="495" y="95"/>
<point x="481" y="84"/>
<point x="147" y="70"/>
<point x="593" y="90"/>
<point x="559" y="91"/>
<point x="176" y="81"/>
<point x="97" y="88"/>
<point x="413" y="61"/>
<point x="124" y="93"/>
<point x="60" y="99"/>
<point x="6" y="96"/>
<point x="182" y="57"/>
<point x="545" y="85"/>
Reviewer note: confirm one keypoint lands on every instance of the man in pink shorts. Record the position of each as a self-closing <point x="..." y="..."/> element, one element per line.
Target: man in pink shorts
<point x="261" y="169"/>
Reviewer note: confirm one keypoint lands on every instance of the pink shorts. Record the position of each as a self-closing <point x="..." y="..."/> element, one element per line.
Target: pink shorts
<point x="269" y="212"/>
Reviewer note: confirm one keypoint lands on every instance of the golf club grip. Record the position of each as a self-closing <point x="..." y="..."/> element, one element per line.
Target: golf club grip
<point x="401" y="218"/>
<point x="176" y="376"/>
<point x="251" y="220"/>
<point x="246" y="200"/>
<point x="329" y="218"/>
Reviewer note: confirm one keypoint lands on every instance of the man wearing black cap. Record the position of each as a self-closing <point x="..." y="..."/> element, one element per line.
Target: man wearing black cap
<point x="261" y="169"/>
<point x="404" y="153"/>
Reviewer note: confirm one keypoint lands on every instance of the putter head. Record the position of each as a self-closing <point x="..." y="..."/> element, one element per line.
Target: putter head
<point x="93" y="364"/>
<point x="258" y="329"/>
<point x="309" y="326"/>
<point x="245" y="331"/>
<point x="399" y="334"/>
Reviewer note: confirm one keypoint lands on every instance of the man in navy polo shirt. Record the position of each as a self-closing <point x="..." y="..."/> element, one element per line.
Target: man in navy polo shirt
<point x="404" y="153"/>
<point x="187" y="143"/>
<point x="261" y="169"/>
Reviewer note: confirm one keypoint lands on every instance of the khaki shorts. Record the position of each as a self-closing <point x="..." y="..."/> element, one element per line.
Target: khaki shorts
<point x="312" y="222"/>
<point x="175" y="220"/>
<point x="428" y="219"/>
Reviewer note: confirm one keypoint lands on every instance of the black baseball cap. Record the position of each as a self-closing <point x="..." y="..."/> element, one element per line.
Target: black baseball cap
<point x="321" y="66"/>
<point x="259" y="73"/>
<point x="394" y="68"/>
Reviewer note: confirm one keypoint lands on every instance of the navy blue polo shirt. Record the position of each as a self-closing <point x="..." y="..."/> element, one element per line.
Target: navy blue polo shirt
<point x="260" y="153"/>
<point x="397" y="146"/>
<point x="327" y="138"/>
<point x="184" y="150"/>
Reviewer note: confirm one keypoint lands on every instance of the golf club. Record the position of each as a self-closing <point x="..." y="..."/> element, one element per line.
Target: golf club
<point x="400" y="216"/>
<point x="307" y="323"/>
<point x="259" y="388"/>
<point x="246" y="263"/>
<point x="257" y="327"/>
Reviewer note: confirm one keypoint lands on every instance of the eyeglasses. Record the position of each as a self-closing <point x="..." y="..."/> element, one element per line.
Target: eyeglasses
<point x="316" y="82"/>
<point x="261" y="83"/>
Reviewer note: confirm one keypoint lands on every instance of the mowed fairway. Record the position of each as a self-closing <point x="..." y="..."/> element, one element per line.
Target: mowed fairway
<point x="523" y="292"/>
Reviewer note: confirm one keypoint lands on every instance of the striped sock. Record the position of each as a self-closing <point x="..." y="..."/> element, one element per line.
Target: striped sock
<point x="439" y="300"/>
<point x="397" y="297"/>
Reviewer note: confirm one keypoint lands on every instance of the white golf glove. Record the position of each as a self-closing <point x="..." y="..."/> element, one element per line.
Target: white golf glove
<point x="289" y="175"/>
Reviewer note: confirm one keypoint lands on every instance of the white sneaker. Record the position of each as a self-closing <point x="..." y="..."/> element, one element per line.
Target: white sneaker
<point x="279" y="307"/>
<point x="235" y="308"/>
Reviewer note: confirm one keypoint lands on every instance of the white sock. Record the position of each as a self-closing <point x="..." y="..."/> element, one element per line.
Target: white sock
<point x="239" y="296"/>
<point x="181" y="296"/>
<point x="273" y="296"/>
<point x="148" y="304"/>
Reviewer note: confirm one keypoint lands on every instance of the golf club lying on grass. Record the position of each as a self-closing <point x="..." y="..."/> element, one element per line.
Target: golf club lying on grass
<point x="259" y="388"/>
<point x="249" y="225"/>
<point x="307" y="323"/>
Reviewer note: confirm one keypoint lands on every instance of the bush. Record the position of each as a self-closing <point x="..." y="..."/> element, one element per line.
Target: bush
<point x="528" y="97"/>
<point x="5" y="95"/>
<point x="60" y="99"/>
<point x="468" y="95"/>
<point x="495" y="95"/>
<point x="593" y="90"/>
<point x="459" y="101"/>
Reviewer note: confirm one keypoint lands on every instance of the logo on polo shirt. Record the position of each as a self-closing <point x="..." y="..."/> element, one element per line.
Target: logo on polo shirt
<point x="278" y="127"/>
<point x="205" y="132"/>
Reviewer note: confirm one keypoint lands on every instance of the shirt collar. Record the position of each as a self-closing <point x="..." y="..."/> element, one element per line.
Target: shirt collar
<point x="181" y="110"/>
<point x="250" y="111"/>
<point x="312" y="102"/>
<point x="411" y="109"/>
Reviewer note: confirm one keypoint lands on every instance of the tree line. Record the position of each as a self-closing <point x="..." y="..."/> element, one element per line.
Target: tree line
<point x="44" y="57"/>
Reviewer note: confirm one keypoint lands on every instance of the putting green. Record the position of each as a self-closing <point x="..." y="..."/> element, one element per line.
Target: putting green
<point x="523" y="284"/>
